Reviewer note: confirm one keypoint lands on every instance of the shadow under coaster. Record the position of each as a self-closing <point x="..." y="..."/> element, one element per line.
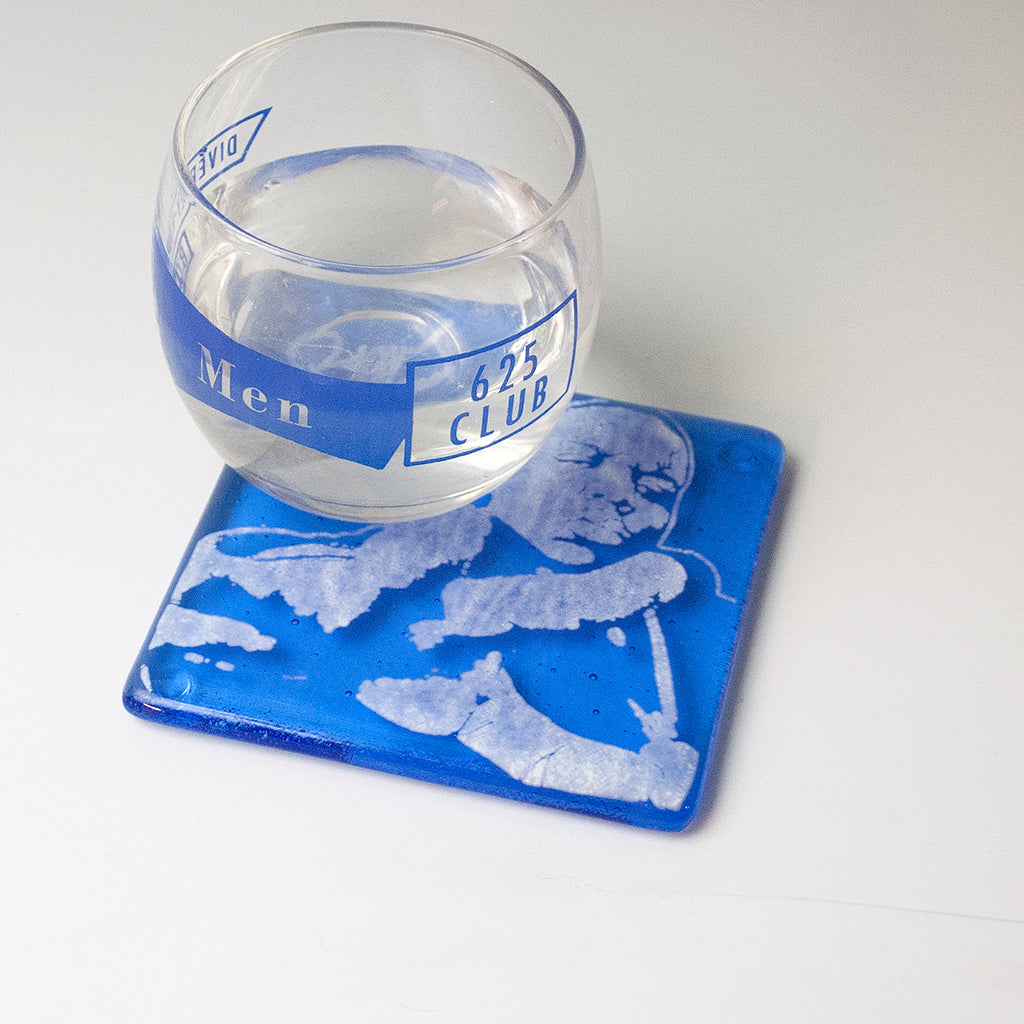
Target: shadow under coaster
<point x="567" y="640"/>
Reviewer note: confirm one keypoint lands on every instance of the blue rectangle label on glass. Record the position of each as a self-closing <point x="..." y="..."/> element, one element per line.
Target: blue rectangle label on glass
<point x="226" y="149"/>
<point x="445" y="408"/>
<point x="475" y="399"/>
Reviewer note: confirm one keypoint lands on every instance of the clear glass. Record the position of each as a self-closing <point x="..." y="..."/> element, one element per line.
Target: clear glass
<point x="396" y="228"/>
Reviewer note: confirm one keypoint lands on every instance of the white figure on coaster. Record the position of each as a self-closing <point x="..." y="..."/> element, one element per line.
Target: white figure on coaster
<point x="591" y="484"/>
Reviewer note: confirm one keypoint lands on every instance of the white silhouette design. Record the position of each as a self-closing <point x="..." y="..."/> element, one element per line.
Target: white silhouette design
<point x="608" y="472"/>
<point x="483" y="710"/>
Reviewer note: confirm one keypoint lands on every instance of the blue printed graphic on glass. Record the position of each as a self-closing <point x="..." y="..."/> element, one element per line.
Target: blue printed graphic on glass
<point x="511" y="383"/>
<point x="226" y="149"/>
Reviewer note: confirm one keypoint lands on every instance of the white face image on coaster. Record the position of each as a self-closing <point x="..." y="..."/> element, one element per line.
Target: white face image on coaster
<point x="566" y="640"/>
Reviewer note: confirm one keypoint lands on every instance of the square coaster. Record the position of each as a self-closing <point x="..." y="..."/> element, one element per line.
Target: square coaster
<point x="567" y="640"/>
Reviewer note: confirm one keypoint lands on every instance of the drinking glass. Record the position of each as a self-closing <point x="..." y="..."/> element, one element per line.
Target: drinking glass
<point x="376" y="266"/>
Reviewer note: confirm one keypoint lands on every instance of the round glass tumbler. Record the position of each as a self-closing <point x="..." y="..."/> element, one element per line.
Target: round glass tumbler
<point x="376" y="266"/>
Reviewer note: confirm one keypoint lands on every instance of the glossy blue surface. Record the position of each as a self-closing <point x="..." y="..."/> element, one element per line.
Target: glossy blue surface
<point x="567" y="640"/>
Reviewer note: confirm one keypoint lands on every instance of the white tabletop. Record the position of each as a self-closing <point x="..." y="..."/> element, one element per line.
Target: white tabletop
<point x="813" y="224"/>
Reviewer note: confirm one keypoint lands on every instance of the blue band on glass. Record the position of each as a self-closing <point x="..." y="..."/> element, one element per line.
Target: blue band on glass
<point x="468" y="400"/>
<point x="354" y="420"/>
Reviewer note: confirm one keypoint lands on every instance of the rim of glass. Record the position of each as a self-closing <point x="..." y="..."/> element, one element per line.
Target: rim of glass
<point x="513" y="241"/>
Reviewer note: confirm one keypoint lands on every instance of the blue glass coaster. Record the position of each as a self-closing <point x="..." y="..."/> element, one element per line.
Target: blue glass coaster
<point x="566" y="641"/>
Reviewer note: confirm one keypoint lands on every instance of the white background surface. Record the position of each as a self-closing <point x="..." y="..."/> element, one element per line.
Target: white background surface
<point x="813" y="223"/>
